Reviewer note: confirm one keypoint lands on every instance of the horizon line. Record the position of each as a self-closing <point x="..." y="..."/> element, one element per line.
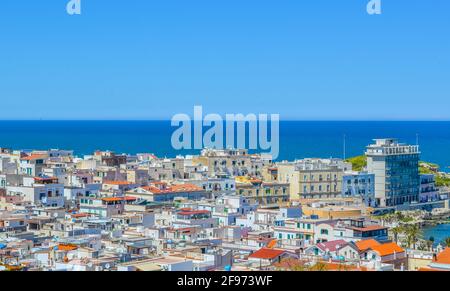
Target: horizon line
<point x="281" y="120"/>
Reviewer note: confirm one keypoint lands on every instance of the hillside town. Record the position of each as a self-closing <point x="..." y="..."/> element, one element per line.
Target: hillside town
<point x="220" y="210"/>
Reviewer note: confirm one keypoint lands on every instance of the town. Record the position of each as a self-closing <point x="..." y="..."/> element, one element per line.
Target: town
<point x="221" y="210"/>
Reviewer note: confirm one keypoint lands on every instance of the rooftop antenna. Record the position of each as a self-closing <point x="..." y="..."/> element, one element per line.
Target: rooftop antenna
<point x="344" y="146"/>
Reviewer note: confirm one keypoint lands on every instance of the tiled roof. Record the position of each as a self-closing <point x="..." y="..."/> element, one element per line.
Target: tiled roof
<point x="332" y="246"/>
<point x="117" y="182"/>
<point x="173" y="189"/>
<point x="366" y="244"/>
<point x="33" y="157"/>
<point x="64" y="247"/>
<point x="266" y="253"/>
<point x="387" y="249"/>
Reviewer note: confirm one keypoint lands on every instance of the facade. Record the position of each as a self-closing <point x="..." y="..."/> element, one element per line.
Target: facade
<point x="396" y="169"/>
<point x="162" y="192"/>
<point x="428" y="190"/>
<point x="360" y="185"/>
<point x="313" y="178"/>
<point x="39" y="191"/>
<point x="263" y="193"/>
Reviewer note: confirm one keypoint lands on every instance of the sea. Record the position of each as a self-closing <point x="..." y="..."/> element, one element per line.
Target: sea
<point x="297" y="139"/>
<point x="439" y="233"/>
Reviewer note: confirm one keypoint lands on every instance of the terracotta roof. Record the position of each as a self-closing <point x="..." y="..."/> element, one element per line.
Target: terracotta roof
<point x="387" y="249"/>
<point x="266" y="253"/>
<point x="64" y="247"/>
<point x="33" y="157"/>
<point x="173" y="189"/>
<point x="364" y="245"/>
<point x="112" y="199"/>
<point x="443" y="257"/>
<point x="117" y="182"/>
<point x="45" y="178"/>
<point x="428" y="269"/>
<point x="130" y="198"/>
<point x="79" y="215"/>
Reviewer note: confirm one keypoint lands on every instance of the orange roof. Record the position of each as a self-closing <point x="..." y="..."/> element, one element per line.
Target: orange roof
<point x="79" y="215"/>
<point x="443" y="257"/>
<point x="130" y="198"/>
<point x="266" y="253"/>
<point x="387" y="249"/>
<point x="428" y="269"/>
<point x="193" y="212"/>
<point x="112" y="199"/>
<point x="174" y="189"/>
<point x="117" y="182"/>
<point x="33" y="157"/>
<point x="272" y="244"/>
<point x="366" y="244"/>
<point x="63" y="247"/>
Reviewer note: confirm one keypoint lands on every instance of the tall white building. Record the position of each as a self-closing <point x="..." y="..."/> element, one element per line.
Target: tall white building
<point x="396" y="169"/>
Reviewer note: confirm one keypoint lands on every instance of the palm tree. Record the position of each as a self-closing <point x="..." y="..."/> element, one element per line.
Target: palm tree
<point x="412" y="234"/>
<point x="399" y="216"/>
<point x="396" y="231"/>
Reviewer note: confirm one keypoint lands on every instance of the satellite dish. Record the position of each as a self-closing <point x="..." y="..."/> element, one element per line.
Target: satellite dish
<point x="107" y="266"/>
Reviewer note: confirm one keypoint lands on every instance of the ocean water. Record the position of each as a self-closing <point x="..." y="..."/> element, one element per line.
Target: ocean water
<point x="438" y="232"/>
<point x="298" y="139"/>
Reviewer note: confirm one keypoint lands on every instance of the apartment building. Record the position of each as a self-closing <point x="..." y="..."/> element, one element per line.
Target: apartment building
<point x="396" y="169"/>
<point x="263" y="193"/>
<point x="359" y="185"/>
<point x="313" y="178"/>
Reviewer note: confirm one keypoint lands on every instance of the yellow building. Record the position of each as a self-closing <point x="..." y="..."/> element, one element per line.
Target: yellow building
<point x="332" y="212"/>
<point x="263" y="193"/>
<point x="312" y="179"/>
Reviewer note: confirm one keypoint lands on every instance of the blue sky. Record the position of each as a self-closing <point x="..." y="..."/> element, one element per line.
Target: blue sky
<point x="145" y="59"/>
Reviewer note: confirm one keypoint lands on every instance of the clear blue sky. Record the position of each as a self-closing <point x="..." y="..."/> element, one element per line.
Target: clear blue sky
<point x="146" y="59"/>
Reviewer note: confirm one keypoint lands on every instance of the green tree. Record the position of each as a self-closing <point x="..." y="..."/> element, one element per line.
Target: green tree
<point x="396" y="231"/>
<point x="412" y="235"/>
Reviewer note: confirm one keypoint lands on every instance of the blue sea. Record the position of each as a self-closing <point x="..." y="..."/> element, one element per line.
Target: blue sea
<point x="298" y="139"/>
<point x="439" y="233"/>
